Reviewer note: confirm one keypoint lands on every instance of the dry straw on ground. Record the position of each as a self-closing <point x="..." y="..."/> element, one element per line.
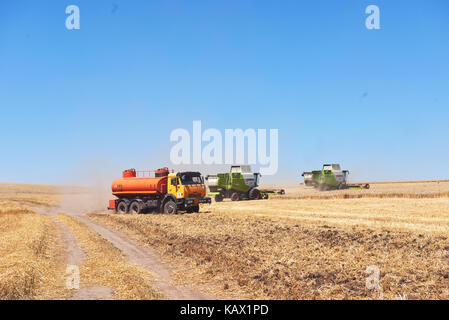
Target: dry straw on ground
<point x="31" y="259"/>
<point x="106" y="266"/>
<point x="315" y="249"/>
<point x="405" y="189"/>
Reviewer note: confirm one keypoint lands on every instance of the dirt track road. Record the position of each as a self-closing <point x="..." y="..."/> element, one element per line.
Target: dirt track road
<point x="74" y="256"/>
<point x="136" y="254"/>
<point x="148" y="259"/>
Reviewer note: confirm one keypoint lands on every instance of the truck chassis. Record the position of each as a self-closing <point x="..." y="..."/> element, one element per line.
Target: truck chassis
<point x="168" y="204"/>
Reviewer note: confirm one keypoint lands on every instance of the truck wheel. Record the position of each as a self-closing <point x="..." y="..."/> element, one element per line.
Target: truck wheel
<point x="196" y="208"/>
<point x="122" y="207"/>
<point x="135" y="207"/>
<point x="218" y="197"/>
<point x="170" y="207"/>
<point x="254" y="194"/>
<point x="235" y="196"/>
<point x="189" y="210"/>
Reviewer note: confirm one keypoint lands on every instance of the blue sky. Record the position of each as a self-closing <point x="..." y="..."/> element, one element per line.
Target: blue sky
<point x="108" y="95"/>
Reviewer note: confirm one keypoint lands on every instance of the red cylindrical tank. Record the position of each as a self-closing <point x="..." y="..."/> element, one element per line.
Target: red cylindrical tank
<point x="131" y="185"/>
<point x="163" y="172"/>
<point x="130" y="173"/>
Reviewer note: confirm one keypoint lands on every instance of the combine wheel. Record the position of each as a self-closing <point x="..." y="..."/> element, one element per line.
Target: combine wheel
<point x="235" y="196"/>
<point x="254" y="194"/>
<point x="135" y="207"/>
<point x="170" y="207"/>
<point x="322" y="187"/>
<point x="122" y="207"/>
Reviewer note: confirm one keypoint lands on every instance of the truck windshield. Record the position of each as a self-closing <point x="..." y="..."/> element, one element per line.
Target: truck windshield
<point x="191" y="178"/>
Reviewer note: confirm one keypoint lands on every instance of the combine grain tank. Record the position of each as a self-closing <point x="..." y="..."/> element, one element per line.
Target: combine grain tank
<point x="330" y="177"/>
<point x="238" y="184"/>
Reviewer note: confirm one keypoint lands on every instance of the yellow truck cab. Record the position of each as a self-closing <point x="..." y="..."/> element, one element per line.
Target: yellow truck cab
<point x="187" y="190"/>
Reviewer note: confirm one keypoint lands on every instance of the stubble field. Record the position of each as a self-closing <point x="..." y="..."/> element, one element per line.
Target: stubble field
<point x="305" y="245"/>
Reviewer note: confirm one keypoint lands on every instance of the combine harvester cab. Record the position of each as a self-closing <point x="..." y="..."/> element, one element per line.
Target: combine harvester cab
<point x="331" y="177"/>
<point x="164" y="192"/>
<point x="239" y="184"/>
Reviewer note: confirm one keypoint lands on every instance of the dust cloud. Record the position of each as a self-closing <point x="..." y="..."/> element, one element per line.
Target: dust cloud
<point x="88" y="188"/>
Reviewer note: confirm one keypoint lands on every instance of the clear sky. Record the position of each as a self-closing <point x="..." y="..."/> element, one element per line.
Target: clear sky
<point x="108" y="95"/>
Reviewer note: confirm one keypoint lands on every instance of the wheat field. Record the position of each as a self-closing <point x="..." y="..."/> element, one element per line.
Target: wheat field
<point x="31" y="256"/>
<point x="312" y="246"/>
<point x="394" y="189"/>
<point x="316" y="245"/>
<point x="299" y="252"/>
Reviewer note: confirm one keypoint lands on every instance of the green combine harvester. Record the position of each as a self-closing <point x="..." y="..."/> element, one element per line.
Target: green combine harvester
<point x="331" y="177"/>
<point x="238" y="184"/>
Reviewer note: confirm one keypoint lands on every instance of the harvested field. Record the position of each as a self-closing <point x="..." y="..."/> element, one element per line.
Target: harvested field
<point x="105" y="266"/>
<point x="306" y="249"/>
<point x="406" y="189"/>
<point x="414" y="215"/>
<point x="35" y="195"/>
<point x="315" y="247"/>
<point x="31" y="258"/>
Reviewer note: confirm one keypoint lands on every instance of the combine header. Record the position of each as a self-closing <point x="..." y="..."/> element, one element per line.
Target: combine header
<point x="164" y="192"/>
<point x="238" y="184"/>
<point x="330" y="177"/>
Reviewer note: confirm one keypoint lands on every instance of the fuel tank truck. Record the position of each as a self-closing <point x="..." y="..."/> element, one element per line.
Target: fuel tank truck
<point x="165" y="192"/>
